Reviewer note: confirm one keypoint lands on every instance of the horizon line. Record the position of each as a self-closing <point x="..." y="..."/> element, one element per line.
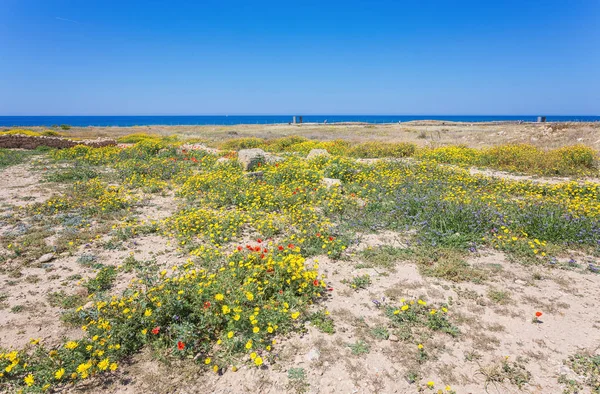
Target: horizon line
<point x="291" y="114"/>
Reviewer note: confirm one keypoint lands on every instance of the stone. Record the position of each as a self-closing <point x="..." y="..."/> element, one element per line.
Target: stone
<point x="45" y="258"/>
<point x="190" y="147"/>
<point x="520" y="282"/>
<point x="331" y="182"/>
<point x="272" y="159"/>
<point x="251" y="158"/>
<point x="313" y="355"/>
<point x="222" y="160"/>
<point x="316" y="153"/>
<point x="393" y="338"/>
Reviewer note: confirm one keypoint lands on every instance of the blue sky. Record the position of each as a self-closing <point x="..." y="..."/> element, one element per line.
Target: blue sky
<point x="313" y="57"/>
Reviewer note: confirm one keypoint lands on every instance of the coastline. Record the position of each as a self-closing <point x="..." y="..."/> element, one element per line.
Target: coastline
<point x="423" y="133"/>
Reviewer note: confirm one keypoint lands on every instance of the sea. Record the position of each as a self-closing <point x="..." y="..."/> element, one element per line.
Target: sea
<point x="107" y="121"/>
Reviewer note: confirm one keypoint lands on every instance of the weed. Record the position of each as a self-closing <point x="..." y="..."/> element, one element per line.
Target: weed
<point x="499" y="296"/>
<point x="359" y="282"/>
<point x="297" y="380"/>
<point x="359" y="347"/>
<point x="322" y="321"/>
<point x="103" y="280"/>
<point x="380" y="332"/>
<point x="505" y="370"/>
<point x="65" y="301"/>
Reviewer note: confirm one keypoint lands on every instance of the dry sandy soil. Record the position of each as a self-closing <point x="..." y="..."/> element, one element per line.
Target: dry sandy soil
<point x="494" y="317"/>
<point x="546" y="135"/>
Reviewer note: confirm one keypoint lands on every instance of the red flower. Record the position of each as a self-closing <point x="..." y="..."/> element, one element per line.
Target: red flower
<point x="291" y="246"/>
<point x="280" y="291"/>
<point x="262" y="256"/>
<point x="330" y="289"/>
<point x="259" y="240"/>
<point x="180" y="345"/>
<point x="319" y="235"/>
<point x="155" y="330"/>
<point x="194" y="160"/>
<point x="331" y="238"/>
<point x="206" y="305"/>
<point x="538" y="314"/>
<point x="316" y="282"/>
<point x="239" y="248"/>
<point x="257" y="249"/>
<point x="280" y="247"/>
<point x="266" y="250"/>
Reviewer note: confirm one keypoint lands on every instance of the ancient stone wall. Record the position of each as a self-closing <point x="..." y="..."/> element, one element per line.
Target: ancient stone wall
<point x="23" y="141"/>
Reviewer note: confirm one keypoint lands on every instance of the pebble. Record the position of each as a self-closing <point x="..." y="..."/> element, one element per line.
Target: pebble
<point x="45" y="258"/>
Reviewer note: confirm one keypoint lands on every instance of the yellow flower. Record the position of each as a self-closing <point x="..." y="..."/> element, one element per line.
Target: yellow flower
<point x="420" y="346"/>
<point x="59" y="374"/>
<point x="71" y="345"/>
<point x="255" y="330"/>
<point x="448" y="388"/>
<point x="253" y="355"/>
<point x="148" y="313"/>
<point x="113" y="367"/>
<point x="404" y="307"/>
<point x="29" y="380"/>
<point x="82" y="368"/>
<point x="270" y="329"/>
<point x="104" y="364"/>
<point x="34" y="341"/>
<point x="236" y="317"/>
<point x="396" y="311"/>
<point x="216" y="368"/>
<point x="230" y="334"/>
<point x="258" y="361"/>
<point x="144" y="331"/>
<point x="249" y="345"/>
<point x="421" y="302"/>
<point x="295" y="315"/>
<point x="219" y="297"/>
<point x="226" y="309"/>
<point x="249" y="296"/>
<point x="430" y="384"/>
<point x="207" y="360"/>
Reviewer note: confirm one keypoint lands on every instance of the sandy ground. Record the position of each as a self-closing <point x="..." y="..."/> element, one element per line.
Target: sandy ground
<point x="545" y="135"/>
<point x="491" y="330"/>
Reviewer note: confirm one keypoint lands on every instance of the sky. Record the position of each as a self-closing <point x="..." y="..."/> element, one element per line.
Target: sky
<point x="417" y="57"/>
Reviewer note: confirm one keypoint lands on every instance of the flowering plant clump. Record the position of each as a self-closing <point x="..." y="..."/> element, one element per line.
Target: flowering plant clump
<point x="416" y="314"/>
<point x="214" y="315"/>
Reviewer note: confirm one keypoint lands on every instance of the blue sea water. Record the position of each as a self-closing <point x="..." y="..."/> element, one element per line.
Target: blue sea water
<point x="82" y="121"/>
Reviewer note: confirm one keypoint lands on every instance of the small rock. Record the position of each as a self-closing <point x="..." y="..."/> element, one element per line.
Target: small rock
<point x="520" y="282"/>
<point x="251" y="158"/>
<point x="393" y="338"/>
<point x="316" y="153"/>
<point x="313" y="355"/>
<point x="45" y="258"/>
<point x="331" y="182"/>
<point x="222" y="160"/>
